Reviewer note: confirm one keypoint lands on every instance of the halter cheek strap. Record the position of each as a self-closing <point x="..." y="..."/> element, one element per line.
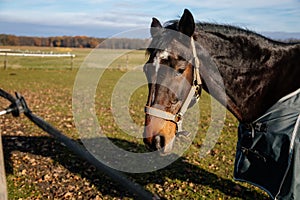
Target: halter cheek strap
<point x="193" y="93"/>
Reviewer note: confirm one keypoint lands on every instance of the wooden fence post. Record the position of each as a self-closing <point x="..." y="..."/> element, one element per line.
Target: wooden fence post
<point x="5" y="60"/>
<point x="3" y="188"/>
<point x="72" y="61"/>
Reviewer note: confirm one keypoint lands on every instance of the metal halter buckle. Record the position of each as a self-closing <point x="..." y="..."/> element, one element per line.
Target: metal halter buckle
<point x="178" y="117"/>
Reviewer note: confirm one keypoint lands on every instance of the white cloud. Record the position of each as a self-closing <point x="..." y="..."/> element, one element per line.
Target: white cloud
<point x="275" y="15"/>
<point x="234" y="3"/>
<point x="77" y="18"/>
<point x="258" y="15"/>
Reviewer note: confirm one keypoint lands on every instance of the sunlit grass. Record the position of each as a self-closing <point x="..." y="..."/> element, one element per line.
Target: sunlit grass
<point x="49" y="94"/>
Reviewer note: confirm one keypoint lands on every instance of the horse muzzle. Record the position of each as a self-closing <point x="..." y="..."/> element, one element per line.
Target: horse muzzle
<point x="159" y="134"/>
<point x="158" y="143"/>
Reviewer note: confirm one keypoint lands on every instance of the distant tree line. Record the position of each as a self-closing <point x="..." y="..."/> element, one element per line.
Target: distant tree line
<point x="81" y="42"/>
<point x="125" y="43"/>
<point x="72" y="41"/>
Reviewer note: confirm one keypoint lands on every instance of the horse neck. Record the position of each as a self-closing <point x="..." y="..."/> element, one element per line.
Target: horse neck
<point x="256" y="72"/>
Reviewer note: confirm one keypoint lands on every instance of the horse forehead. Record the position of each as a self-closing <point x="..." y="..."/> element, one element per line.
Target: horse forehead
<point x="159" y="56"/>
<point x="164" y="54"/>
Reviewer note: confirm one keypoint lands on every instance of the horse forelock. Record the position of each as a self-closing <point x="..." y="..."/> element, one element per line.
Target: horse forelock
<point x="164" y="37"/>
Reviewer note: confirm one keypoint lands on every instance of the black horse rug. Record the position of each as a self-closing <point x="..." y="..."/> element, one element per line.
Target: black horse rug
<point x="268" y="150"/>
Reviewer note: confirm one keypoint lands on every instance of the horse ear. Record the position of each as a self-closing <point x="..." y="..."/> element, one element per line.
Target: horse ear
<point x="155" y="26"/>
<point x="186" y="23"/>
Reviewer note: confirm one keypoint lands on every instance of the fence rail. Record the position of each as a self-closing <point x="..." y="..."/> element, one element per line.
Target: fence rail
<point x="36" y="54"/>
<point x="9" y="52"/>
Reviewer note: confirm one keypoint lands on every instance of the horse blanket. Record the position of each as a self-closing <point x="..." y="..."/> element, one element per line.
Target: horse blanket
<point x="268" y="150"/>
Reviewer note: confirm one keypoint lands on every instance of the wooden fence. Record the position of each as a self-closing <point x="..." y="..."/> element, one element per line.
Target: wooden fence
<point x="3" y="188"/>
<point x="9" y="52"/>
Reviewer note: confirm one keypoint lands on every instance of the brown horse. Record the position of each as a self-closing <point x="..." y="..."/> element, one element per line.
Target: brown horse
<point x="246" y="72"/>
<point x="256" y="72"/>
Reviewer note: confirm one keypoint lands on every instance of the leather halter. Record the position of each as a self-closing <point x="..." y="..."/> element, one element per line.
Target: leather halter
<point x="194" y="93"/>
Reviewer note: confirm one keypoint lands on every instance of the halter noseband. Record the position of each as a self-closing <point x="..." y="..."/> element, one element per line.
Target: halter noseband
<point x="194" y="93"/>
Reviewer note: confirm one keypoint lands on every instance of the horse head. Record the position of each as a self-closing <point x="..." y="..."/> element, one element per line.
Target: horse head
<point x="173" y="80"/>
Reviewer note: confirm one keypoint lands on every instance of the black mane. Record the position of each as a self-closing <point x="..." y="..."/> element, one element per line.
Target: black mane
<point x="225" y="29"/>
<point x="235" y="30"/>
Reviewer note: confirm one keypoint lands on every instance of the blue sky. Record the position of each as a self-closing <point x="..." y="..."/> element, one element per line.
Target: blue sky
<point x="104" y="18"/>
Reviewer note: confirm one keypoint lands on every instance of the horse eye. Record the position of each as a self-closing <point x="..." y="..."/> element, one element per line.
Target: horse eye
<point x="181" y="66"/>
<point x="180" y="71"/>
<point x="174" y="101"/>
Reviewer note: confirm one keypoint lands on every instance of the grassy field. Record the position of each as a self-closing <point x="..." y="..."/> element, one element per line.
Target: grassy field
<point x="38" y="167"/>
<point x="127" y="59"/>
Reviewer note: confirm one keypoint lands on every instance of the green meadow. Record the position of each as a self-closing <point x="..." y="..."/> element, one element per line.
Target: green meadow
<point x="38" y="167"/>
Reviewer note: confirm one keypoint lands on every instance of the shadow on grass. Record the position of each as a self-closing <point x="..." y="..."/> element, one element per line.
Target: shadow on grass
<point x="50" y="148"/>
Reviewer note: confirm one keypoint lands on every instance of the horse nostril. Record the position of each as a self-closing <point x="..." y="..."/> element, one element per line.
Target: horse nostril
<point x="147" y="143"/>
<point x="154" y="143"/>
<point x="159" y="142"/>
